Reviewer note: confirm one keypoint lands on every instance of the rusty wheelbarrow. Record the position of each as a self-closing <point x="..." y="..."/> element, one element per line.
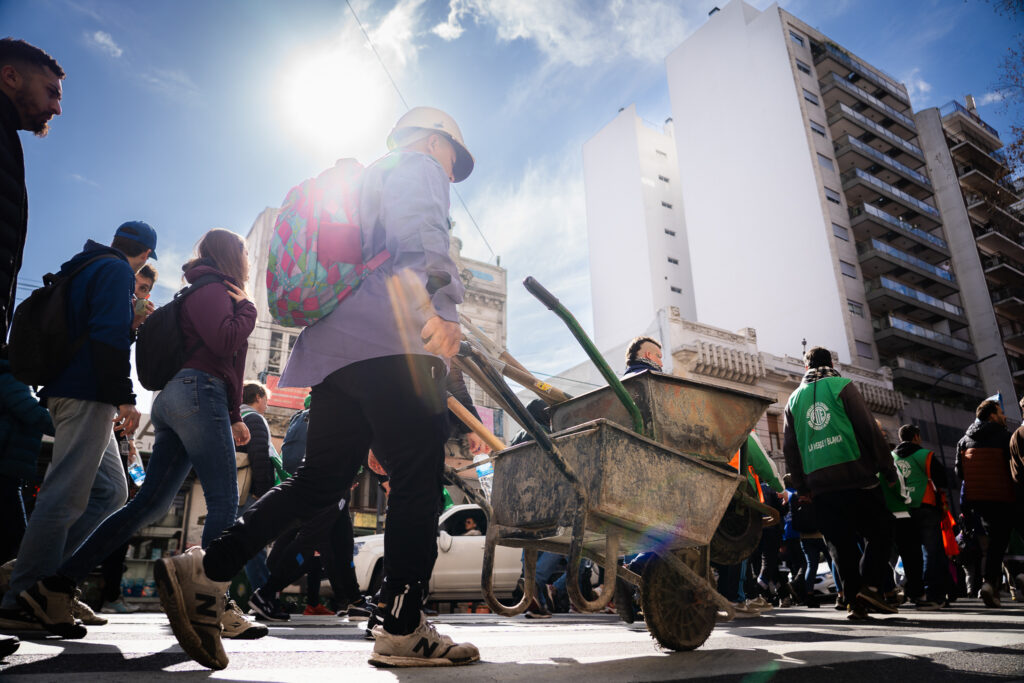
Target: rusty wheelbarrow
<point x="598" y="489"/>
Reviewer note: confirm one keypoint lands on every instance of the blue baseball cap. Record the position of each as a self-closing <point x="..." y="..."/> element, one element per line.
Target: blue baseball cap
<point x="140" y="232"/>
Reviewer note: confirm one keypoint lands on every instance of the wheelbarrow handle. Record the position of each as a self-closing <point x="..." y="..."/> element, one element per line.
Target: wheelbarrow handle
<point x="542" y="294"/>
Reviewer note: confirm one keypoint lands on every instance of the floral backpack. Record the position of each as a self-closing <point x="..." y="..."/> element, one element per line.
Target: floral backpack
<point x="316" y="251"/>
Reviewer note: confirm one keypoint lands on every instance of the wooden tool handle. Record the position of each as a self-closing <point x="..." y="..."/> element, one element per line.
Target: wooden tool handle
<point x="476" y="425"/>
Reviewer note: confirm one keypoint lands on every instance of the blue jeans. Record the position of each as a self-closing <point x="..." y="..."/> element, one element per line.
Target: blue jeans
<point x="193" y="430"/>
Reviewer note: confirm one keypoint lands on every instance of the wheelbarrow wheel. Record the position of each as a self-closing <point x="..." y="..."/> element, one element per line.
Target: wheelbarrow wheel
<point x="738" y="534"/>
<point x="677" y="614"/>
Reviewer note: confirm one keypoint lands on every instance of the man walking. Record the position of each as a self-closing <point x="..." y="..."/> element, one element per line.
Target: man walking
<point x="834" y="451"/>
<point x="92" y="395"/>
<point x="377" y="365"/>
<point x="30" y="92"/>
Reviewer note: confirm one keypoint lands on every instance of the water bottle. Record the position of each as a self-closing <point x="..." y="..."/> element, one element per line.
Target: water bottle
<point x="485" y="473"/>
<point x="134" y="462"/>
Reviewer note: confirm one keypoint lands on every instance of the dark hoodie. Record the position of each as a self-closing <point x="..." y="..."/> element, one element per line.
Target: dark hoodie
<point x="100" y="306"/>
<point x="983" y="463"/>
<point x="212" y="321"/>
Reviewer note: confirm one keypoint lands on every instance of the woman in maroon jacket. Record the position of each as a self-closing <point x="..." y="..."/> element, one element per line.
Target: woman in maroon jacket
<point x="196" y="416"/>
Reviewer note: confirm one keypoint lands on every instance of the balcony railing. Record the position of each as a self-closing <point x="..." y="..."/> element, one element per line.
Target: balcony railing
<point x="897" y="223"/>
<point x="886" y="160"/>
<point x="954" y="106"/>
<point x="877" y="245"/>
<point x="1007" y="293"/>
<point x="891" y="189"/>
<point x="937" y="373"/>
<point x="865" y="71"/>
<point x="835" y="79"/>
<point x="877" y="129"/>
<point x="994" y="260"/>
<point x="900" y="288"/>
<point x="892" y="322"/>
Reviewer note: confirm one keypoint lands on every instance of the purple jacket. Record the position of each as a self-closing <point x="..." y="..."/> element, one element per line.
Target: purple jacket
<point x="212" y="321"/>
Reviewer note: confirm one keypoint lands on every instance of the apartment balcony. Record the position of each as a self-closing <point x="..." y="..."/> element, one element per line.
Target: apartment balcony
<point x="1001" y="271"/>
<point x="869" y="221"/>
<point x="852" y="153"/>
<point x="1009" y="302"/>
<point x="921" y="377"/>
<point x="976" y="181"/>
<point x="1014" y="341"/>
<point x="830" y="57"/>
<point x="885" y="295"/>
<point x="896" y="336"/>
<point x="996" y="230"/>
<point x="878" y="258"/>
<point x="863" y="188"/>
<point x="968" y="150"/>
<point x="834" y="89"/>
<point x="957" y="119"/>
<point x="844" y="120"/>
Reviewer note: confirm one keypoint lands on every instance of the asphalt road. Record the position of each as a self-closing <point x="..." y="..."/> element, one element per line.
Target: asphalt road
<point x="964" y="643"/>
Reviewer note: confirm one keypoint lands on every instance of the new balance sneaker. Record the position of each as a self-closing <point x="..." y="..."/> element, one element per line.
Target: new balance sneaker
<point x="19" y="620"/>
<point x="52" y="600"/>
<point x="989" y="595"/>
<point x="237" y="627"/>
<point x="266" y="608"/>
<point x="8" y="645"/>
<point x="194" y="605"/>
<point x="423" y="647"/>
<point x="875" y="601"/>
<point x="85" y="614"/>
<point x="118" y="606"/>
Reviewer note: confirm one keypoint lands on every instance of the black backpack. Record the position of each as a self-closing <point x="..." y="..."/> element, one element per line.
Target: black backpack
<point x="40" y="345"/>
<point x="160" y="345"/>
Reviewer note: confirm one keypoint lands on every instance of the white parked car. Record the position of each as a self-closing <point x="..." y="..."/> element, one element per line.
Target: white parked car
<point x="459" y="559"/>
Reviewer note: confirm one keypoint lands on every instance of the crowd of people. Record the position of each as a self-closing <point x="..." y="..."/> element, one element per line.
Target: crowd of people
<point x="378" y="365"/>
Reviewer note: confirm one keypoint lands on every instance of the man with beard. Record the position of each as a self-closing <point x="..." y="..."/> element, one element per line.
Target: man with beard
<point x="30" y="92"/>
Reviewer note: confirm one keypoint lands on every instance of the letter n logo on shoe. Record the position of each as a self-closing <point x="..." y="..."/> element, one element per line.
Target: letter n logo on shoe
<point x="426" y="647"/>
<point x="205" y="607"/>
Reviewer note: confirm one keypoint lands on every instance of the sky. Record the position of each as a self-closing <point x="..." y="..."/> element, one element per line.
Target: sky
<point x="192" y="114"/>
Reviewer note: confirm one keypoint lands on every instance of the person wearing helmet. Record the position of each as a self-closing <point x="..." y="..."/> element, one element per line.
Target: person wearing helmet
<point x="377" y="365"/>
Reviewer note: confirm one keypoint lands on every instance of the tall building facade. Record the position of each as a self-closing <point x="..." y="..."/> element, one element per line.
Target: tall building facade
<point x="811" y="213"/>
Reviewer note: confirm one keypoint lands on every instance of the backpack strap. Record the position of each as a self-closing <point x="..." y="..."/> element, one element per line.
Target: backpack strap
<point x="179" y="297"/>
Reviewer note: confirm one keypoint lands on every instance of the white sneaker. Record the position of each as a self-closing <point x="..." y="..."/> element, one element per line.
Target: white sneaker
<point x="423" y="647"/>
<point x="194" y="605"/>
<point x="118" y="606"/>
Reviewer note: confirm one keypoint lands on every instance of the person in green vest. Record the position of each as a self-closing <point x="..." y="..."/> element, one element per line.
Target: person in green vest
<point x="918" y="520"/>
<point x="834" y="450"/>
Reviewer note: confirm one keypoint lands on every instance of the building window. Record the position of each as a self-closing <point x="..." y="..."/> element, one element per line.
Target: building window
<point x="774" y="432"/>
<point x="660" y="153"/>
<point x="796" y="38"/>
<point x="863" y="349"/>
<point x="278" y="356"/>
<point x="676" y="290"/>
<point x="803" y="67"/>
<point x="663" y="179"/>
<point x="666" y="205"/>
<point x="810" y="97"/>
<point x="671" y="233"/>
<point x="673" y="261"/>
<point x="855" y="308"/>
<point x="825" y="162"/>
<point x="832" y="196"/>
<point x="848" y="269"/>
<point x="840" y="232"/>
<point x="818" y="128"/>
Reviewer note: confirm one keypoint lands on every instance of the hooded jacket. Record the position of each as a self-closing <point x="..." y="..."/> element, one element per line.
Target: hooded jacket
<point x="983" y="463"/>
<point x="13" y="209"/>
<point x="22" y="425"/>
<point x="218" y="328"/>
<point x="99" y="306"/>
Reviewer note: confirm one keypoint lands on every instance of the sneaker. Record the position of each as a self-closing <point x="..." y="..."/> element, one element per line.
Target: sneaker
<point x="51" y="600"/>
<point x="19" y="620"/>
<point x="118" y="606"/>
<point x="989" y="595"/>
<point x="8" y="645"/>
<point x="237" y="627"/>
<point x="423" y="647"/>
<point x="929" y="606"/>
<point x="875" y="601"/>
<point x="85" y="614"/>
<point x="194" y="605"/>
<point x="858" y="611"/>
<point x="357" y="611"/>
<point x="841" y="603"/>
<point x="317" y="611"/>
<point x="268" y="609"/>
<point x="760" y="603"/>
<point x="745" y="610"/>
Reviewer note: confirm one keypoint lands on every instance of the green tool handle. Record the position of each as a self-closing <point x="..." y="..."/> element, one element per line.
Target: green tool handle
<point x="548" y="299"/>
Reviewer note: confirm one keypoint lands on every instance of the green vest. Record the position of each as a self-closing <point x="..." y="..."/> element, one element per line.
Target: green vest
<point x="823" y="431"/>
<point x="914" y="470"/>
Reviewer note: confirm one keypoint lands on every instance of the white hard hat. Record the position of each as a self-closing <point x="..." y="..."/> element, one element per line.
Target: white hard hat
<point x="430" y="120"/>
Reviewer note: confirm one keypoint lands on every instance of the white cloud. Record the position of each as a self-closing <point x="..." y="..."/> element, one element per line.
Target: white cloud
<point x="395" y="37"/>
<point x="173" y="83"/>
<point x="991" y="98"/>
<point x="579" y="33"/>
<point x="105" y="42"/>
<point x="82" y="179"/>
<point x="917" y="88"/>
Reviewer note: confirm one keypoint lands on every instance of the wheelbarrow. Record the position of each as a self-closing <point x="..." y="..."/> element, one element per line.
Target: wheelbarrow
<point x="598" y="489"/>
